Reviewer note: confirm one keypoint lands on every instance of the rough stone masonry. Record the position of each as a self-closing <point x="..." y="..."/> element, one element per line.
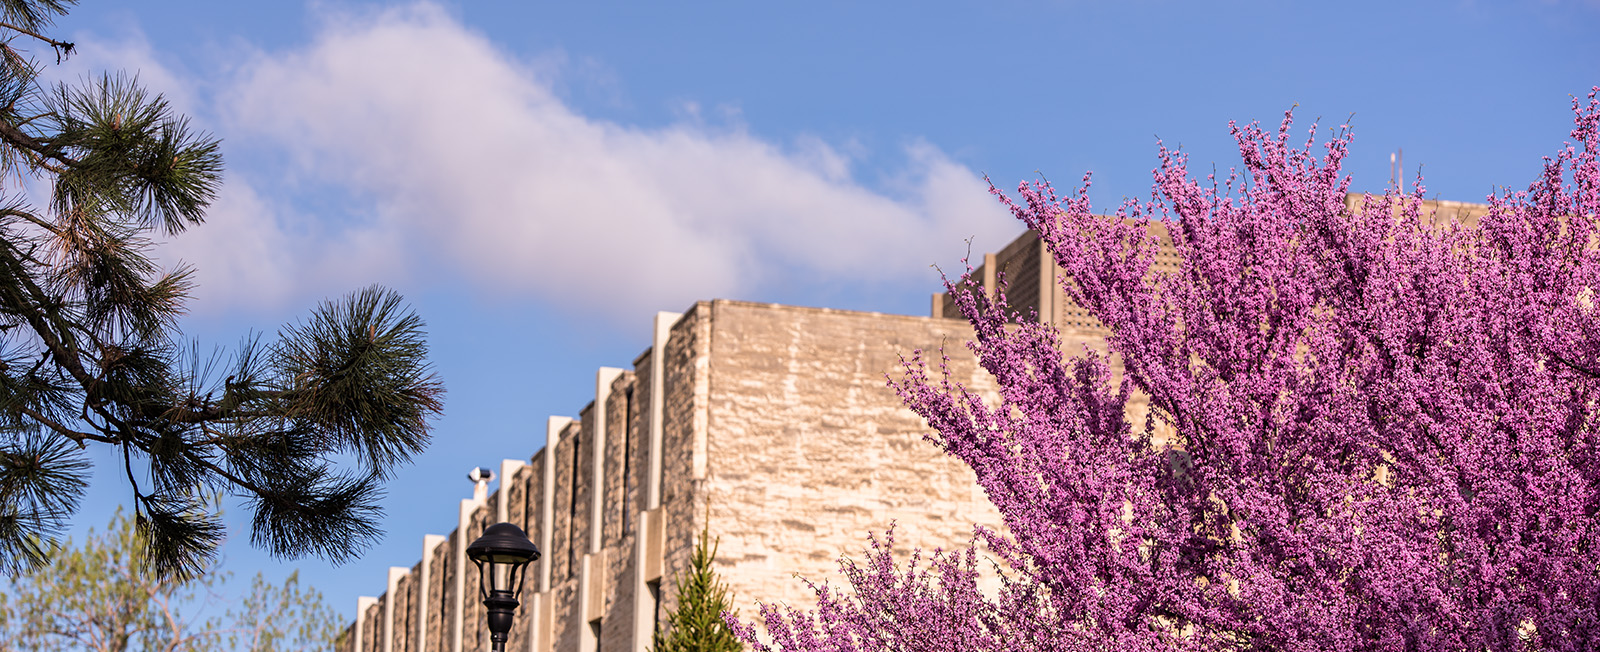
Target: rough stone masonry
<point x="770" y="426"/>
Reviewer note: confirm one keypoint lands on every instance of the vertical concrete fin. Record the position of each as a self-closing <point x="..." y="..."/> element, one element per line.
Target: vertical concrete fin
<point x="542" y="614"/>
<point x="430" y="542"/>
<point x="647" y="567"/>
<point x="658" y="401"/>
<point x="395" y="573"/>
<point x="361" y="616"/>
<point x="532" y="612"/>
<point x="602" y="393"/>
<point x="459" y="560"/>
<point x="508" y="470"/>
<point x="581" y="609"/>
<point x="1047" y="284"/>
<point x="553" y="428"/>
<point x="591" y="598"/>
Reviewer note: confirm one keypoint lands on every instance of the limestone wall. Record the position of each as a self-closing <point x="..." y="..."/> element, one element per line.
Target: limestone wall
<point x="770" y="425"/>
<point x="809" y="450"/>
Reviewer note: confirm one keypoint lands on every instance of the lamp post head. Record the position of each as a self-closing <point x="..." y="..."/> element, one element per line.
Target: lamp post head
<point x="506" y="551"/>
<point x="503" y="543"/>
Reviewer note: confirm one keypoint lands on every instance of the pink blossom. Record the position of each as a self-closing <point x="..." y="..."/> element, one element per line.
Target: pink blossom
<point x="1386" y="429"/>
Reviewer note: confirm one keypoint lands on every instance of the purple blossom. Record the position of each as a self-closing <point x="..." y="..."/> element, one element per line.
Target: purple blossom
<point x="1384" y="429"/>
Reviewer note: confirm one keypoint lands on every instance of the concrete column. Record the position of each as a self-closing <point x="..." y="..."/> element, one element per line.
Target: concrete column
<point x="650" y="517"/>
<point x="597" y="495"/>
<point x="1047" y="284"/>
<point x="361" y="617"/>
<point x="508" y="471"/>
<point x="458" y="558"/>
<point x="658" y="401"/>
<point x="591" y="602"/>
<point x="553" y="428"/>
<point x="395" y="573"/>
<point x="541" y="629"/>
<point x="430" y="542"/>
<point x="542" y="621"/>
<point x="647" y="549"/>
<point x="641" y="594"/>
<point x="531" y="612"/>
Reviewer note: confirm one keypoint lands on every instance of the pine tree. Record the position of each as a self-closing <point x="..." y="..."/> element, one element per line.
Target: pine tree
<point x="696" y="625"/>
<point x="90" y="352"/>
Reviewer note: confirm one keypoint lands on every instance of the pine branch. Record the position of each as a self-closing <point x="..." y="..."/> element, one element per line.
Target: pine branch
<point x="96" y="319"/>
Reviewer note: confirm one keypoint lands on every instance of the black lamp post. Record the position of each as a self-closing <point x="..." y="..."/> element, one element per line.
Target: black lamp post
<point x="505" y="549"/>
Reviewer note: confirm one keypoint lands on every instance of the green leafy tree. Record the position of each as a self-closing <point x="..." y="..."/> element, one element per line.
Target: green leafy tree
<point x="97" y="597"/>
<point x="696" y="625"/>
<point x="281" y="618"/>
<point x="90" y="354"/>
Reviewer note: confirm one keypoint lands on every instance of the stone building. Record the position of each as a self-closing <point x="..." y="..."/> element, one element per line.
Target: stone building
<point x="771" y="426"/>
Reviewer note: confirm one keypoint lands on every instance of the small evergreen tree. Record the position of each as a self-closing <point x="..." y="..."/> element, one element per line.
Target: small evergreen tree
<point x="697" y="624"/>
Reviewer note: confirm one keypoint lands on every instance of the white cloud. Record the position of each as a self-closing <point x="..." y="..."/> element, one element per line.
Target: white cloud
<point x="470" y="163"/>
<point x="256" y="253"/>
<point x="252" y="252"/>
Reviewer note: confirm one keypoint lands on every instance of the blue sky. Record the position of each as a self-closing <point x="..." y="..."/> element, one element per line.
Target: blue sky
<point x="540" y="178"/>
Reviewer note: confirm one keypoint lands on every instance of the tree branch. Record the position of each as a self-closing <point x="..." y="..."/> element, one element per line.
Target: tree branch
<point x="65" y="352"/>
<point x="1572" y="365"/>
<point x="61" y="47"/>
<point x="62" y="430"/>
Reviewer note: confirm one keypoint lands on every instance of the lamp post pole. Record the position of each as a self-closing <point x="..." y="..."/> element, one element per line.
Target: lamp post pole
<point x="501" y="554"/>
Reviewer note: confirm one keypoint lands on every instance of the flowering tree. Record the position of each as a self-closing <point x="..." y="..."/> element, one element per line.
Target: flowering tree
<point x="1385" y="430"/>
